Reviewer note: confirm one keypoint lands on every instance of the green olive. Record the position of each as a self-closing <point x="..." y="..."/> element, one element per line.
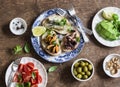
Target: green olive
<point x="86" y="63"/>
<point x="76" y="65"/>
<point x="82" y="63"/>
<point x="83" y="73"/>
<point x="79" y="76"/>
<point x="88" y="73"/>
<point x="85" y="69"/>
<point x="75" y="72"/>
<point x="90" y="67"/>
<point x="85" y="76"/>
<point x="79" y="69"/>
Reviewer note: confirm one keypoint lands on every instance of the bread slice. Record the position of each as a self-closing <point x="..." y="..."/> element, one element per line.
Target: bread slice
<point x="44" y="44"/>
<point x="66" y="49"/>
<point x="59" y="29"/>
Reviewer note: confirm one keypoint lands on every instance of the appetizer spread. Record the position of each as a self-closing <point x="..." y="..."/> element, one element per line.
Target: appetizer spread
<point x="59" y="35"/>
<point x="27" y="76"/>
<point x="113" y="65"/>
<point x="109" y="27"/>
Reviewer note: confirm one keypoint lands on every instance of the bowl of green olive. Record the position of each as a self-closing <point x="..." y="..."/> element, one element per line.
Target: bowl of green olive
<point x="82" y="69"/>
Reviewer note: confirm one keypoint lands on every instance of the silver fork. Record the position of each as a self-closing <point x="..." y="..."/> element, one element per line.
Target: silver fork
<point x="73" y="17"/>
<point x="14" y="68"/>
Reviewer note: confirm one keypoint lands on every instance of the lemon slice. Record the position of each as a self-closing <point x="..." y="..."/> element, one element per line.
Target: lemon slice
<point x="107" y="15"/>
<point x="38" y="31"/>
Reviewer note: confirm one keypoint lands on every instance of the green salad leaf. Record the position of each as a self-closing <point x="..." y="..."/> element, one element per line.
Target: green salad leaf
<point x="33" y="75"/>
<point x="17" y="49"/>
<point x="27" y="48"/>
<point x="52" y="68"/>
<point x="19" y="85"/>
<point x="27" y="84"/>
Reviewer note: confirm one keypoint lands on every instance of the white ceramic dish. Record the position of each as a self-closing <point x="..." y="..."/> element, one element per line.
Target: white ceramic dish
<point x="108" y="58"/>
<point x="98" y="18"/>
<point x="84" y="59"/>
<point x="38" y="65"/>
<point x="18" y="26"/>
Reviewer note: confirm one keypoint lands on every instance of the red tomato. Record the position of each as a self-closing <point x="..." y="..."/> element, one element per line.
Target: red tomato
<point x="20" y="67"/>
<point x="35" y="70"/>
<point x="33" y="81"/>
<point x="26" y="69"/>
<point x="39" y="79"/>
<point x="15" y="78"/>
<point x="34" y="85"/>
<point x="30" y="65"/>
<point x="26" y="77"/>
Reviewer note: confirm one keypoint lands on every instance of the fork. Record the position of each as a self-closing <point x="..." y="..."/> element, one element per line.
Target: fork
<point x="71" y="12"/>
<point x="14" y="68"/>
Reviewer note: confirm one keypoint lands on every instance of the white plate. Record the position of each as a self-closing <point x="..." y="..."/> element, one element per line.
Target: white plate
<point x="38" y="65"/>
<point x="108" y="58"/>
<point x="98" y="18"/>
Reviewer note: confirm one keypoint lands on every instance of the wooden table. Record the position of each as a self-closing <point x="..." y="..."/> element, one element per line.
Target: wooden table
<point x="29" y="10"/>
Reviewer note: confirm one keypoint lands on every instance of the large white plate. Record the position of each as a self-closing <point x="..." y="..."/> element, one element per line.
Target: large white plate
<point x="98" y="18"/>
<point x="38" y="65"/>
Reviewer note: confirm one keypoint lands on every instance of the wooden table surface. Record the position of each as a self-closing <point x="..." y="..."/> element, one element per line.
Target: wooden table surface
<point x="29" y="10"/>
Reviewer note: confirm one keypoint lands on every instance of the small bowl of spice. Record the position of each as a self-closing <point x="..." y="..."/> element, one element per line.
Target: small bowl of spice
<point x="18" y="26"/>
<point x="111" y="65"/>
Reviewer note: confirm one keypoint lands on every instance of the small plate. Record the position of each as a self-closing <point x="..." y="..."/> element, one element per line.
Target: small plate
<point x="63" y="57"/>
<point x="108" y="58"/>
<point x="38" y="65"/>
<point x="18" y="26"/>
<point x="98" y="18"/>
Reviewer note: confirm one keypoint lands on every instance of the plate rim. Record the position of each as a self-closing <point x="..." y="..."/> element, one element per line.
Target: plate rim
<point x="95" y="30"/>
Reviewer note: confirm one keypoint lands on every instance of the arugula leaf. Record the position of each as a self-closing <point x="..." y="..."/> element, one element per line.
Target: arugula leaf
<point x="78" y="39"/>
<point x="27" y="48"/>
<point x="19" y="85"/>
<point x="20" y="78"/>
<point x="33" y="75"/>
<point x="27" y="84"/>
<point x="17" y="49"/>
<point x="52" y="68"/>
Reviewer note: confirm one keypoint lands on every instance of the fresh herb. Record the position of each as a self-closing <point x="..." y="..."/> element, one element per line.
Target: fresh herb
<point x="52" y="68"/>
<point x="20" y="78"/>
<point x="27" y="84"/>
<point x="17" y="49"/>
<point x="63" y="22"/>
<point x="115" y="17"/>
<point x="33" y="75"/>
<point x="19" y="85"/>
<point x="54" y="43"/>
<point x="27" y="48"/>
<point x="78" y="39"/>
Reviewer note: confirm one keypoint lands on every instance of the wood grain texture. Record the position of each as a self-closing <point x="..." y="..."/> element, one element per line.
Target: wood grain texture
<point x="29" y="10"/>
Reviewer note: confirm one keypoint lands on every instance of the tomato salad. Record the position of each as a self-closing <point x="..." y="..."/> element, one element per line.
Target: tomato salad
<point x="27" y="76"/>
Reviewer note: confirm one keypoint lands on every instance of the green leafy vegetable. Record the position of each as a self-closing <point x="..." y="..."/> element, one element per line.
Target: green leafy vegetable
<point x="17" y="49"/>
<point x="20" y="78"/>
<point x="78" y="39"/>
<point x="52" y="68"/>
<point x="19" y="85"/>
<point x="61" y="23"/>
<point x="27" y="48"/>
<point x="33" y="75"/>
<point x="115" y="17"/>
<point x="27" y="84"/>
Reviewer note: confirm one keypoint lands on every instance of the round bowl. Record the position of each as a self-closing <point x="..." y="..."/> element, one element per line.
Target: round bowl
<point x="107" y="59"/>
<point x="18" y="26"/>
<point x="85" y="60"/>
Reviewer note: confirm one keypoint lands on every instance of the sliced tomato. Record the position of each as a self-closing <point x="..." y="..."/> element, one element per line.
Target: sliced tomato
<point x="26" y="69"/>
<point x="26" y="77"/>
<point x="15" y="78"/>
<point x="33" y="81"/>
<point x="20" y="67"/>
<point x="35" y="85"/>
<point x="39" y="79"/>
<point x="30" y="65"/>
<point x="35" y="70"/>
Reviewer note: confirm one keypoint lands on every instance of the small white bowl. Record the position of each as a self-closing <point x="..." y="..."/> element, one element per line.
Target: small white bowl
<point x="82" y="59"/>
<point x="18" y="26"/>
<point x="108" y="58"/>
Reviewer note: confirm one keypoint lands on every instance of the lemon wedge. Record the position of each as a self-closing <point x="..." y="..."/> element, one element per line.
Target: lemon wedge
<point x="38" y="31"/>
<point x="107" y="15"/>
